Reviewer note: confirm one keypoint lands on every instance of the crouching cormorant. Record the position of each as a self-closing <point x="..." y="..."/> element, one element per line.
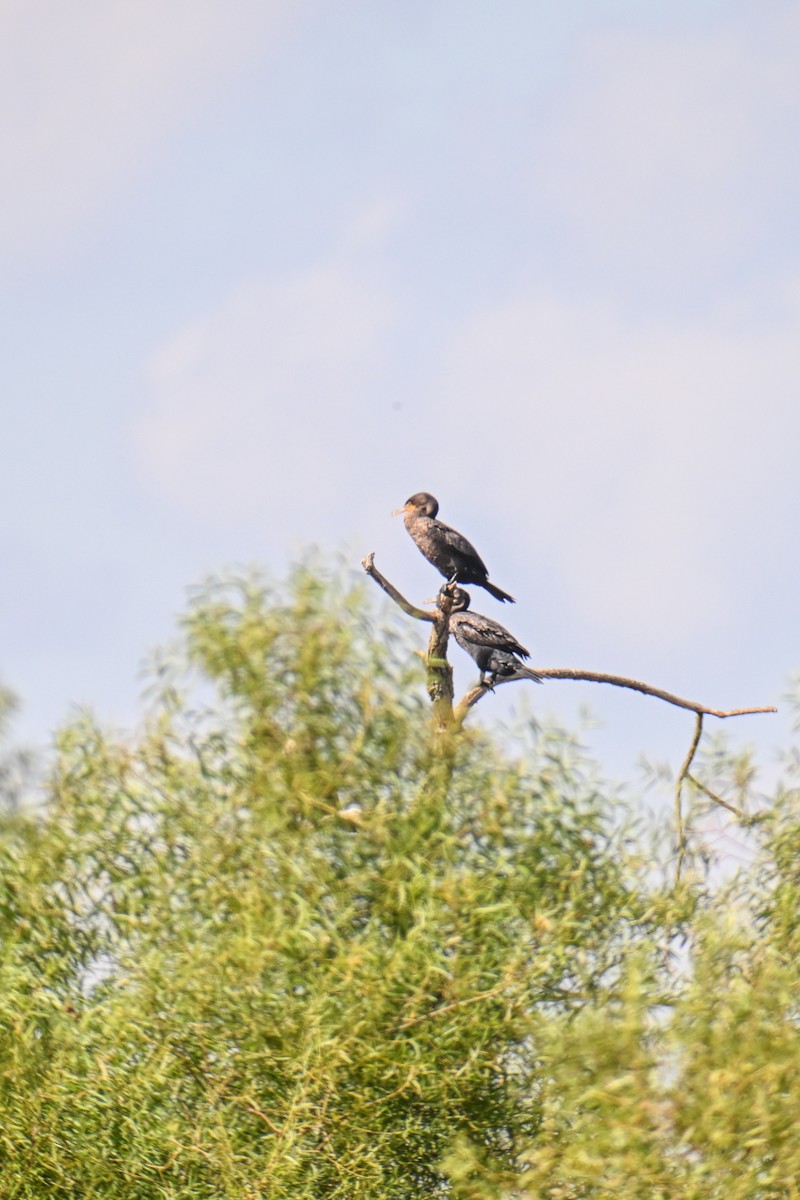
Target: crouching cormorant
<point x="493" y="648"/>
<point x="448" y="550"/>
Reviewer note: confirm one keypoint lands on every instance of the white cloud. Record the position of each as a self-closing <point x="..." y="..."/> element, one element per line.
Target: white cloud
<point x="254" y="405"/>
<point x="89" y="93"/>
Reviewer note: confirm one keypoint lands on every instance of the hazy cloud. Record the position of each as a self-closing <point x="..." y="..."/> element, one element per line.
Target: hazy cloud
<point x="564" y="295"/>
<point x="650" y="463"/>
<point x="670" y="150"/>
<point x="90" y="93"/>
<point x="255" y="404"/>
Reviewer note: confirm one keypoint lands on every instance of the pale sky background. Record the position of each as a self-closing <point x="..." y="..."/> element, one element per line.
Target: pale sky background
<point x="268" y="268"/>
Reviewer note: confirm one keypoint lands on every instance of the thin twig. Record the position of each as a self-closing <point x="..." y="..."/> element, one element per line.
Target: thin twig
<point x="276" y="1129"/>
<point x="420" y="614"/>
<point x="497" y="990"/>
<point x="682" y="774"/>
<point x="701" y="787"/>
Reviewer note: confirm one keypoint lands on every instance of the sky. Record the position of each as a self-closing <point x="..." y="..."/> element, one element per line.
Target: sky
<point x="268" y="268"/>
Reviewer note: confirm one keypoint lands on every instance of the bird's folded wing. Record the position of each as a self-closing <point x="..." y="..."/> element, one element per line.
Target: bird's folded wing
<point x="456" y="541"/>
<point x="483" y="631"/>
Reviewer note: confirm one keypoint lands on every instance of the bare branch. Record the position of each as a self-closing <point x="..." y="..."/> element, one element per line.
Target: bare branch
<point x="648" y="690"/>
<point x="440" y="690"/>
<point x="420" y="614"/>
<point x="439" y="673"/>
<point x="438" y="646"/>
<point x="682" y="774"/>
<point x="477" y="693"/>
<point x="472" y="697"/>
<point x="687" y="762"/>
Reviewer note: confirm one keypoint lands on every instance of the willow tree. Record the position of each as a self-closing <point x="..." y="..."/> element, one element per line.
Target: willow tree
<point x="278" y="944"/>
<point x="290" y="940"/>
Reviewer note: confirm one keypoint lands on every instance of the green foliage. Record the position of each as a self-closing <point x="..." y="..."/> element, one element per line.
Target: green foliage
<point x="16" y="765"/>
<point x="699" y="1096"/>
<point x="289" y="942"/>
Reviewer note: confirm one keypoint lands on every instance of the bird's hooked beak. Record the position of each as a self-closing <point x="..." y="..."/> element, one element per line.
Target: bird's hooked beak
<point x="398" y="511"/>
<point x="442" y="594"/>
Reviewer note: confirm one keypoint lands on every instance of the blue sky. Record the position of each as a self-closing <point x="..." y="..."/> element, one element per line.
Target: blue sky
<point x="268" y="268"/>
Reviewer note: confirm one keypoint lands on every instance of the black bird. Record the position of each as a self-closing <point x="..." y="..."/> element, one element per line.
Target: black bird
<point x="448" y="550"/>
<point x="493" y="648"/>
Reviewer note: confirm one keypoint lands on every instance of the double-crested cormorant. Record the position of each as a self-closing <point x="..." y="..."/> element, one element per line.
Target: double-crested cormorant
<point x="448" y="550"/>
<point x="493" y="648"/>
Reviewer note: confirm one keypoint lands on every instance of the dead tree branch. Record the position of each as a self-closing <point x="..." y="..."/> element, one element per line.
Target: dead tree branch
<point x="440" y="690"/>
<point x="475" y="694"/>
<point x="680" y="828"/>
<point x="439" y="673"/>
<point x="420" y="614"/>
<point x="438" y="669"/>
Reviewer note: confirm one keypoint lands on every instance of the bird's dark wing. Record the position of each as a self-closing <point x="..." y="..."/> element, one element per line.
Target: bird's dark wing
<point x="458" y="543"/>
<point x="483" y="631"/>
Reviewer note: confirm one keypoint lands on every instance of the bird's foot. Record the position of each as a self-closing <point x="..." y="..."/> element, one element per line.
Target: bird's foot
<point x="487" y="683"/>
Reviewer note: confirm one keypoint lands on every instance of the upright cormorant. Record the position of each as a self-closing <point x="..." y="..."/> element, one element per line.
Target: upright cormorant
<point x="448" y="550"/>
<point x="493" y="648"/>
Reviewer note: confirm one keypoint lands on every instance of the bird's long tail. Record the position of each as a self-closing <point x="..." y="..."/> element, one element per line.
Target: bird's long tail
<point x="526" y="673"/>
<point x="498" y="593"/>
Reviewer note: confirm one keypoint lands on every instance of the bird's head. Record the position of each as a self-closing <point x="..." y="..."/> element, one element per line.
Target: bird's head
<point x="461" y="600"/>
<point x="421" y="503"/>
